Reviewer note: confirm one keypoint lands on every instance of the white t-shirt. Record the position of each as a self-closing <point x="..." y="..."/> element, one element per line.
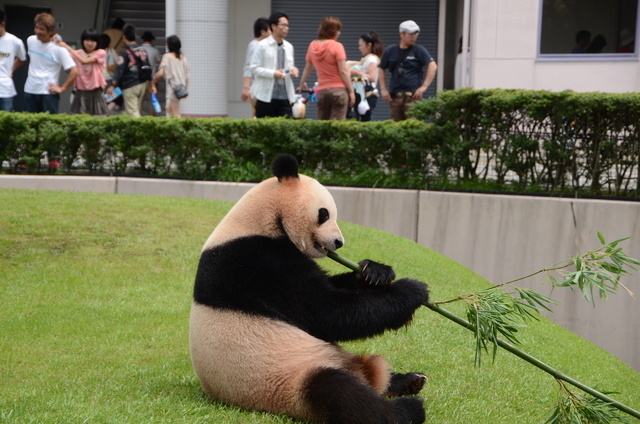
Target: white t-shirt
<point x="44" y="67"/>
<point x="368" y="60"/>
<point x="11" y="47"/>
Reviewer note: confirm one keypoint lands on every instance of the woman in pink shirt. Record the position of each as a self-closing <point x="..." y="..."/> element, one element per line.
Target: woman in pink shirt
<point x="328" y="57"/>
<point x="89" y="86"/>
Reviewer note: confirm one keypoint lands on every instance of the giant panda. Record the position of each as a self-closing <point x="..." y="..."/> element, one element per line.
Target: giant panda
<point x="265" y="318"/>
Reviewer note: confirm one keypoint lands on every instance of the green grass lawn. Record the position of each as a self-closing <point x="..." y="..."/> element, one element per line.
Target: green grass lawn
<point x="95" y="293"/>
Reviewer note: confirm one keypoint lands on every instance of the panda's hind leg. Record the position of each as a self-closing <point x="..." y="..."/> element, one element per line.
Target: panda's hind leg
<point x="336" y="397"/>
<point x="405" y="384"/>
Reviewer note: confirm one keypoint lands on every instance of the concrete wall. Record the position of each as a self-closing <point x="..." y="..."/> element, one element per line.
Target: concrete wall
<point x="499" y="237"/>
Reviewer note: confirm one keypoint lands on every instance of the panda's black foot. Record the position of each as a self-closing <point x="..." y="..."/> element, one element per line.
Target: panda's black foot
<point x="406" y="384"/>
<point x="409" y="410"/>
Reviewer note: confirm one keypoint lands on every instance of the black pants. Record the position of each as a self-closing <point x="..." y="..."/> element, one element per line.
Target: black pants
<point x="274" y="109"/>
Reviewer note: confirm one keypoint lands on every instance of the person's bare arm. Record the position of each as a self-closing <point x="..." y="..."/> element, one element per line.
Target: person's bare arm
<point x="84" y="60"/>
<point x="16" y="64"/>
<point x="71" y="77"/>
<point x="432" y="67"/>
<point x="383" y="85"/>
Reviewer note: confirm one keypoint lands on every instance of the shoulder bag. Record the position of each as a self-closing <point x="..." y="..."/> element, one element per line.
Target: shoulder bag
<point x="180" y="90"/>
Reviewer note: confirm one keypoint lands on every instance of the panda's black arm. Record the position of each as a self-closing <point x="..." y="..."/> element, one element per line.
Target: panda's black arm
<point x="346" y="281"/>
<point x="348" y="314"/>
<point x="282" y="283"/>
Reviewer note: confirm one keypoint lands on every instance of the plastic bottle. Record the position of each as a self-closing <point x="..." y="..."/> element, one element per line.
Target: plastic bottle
<point x="314" y="95"/>
<point x="156" y="104"/>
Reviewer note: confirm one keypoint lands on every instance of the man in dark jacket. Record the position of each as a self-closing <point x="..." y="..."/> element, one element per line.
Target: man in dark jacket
<point x="128" y="75"/>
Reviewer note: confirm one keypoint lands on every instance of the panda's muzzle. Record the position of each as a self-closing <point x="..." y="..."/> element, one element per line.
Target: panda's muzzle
<point x="337" y="244"/>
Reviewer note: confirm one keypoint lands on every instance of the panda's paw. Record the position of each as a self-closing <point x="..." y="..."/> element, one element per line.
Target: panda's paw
<point x="409" y="410"/>
<point x="377" y="274"/>
<point x="406" y="384"/>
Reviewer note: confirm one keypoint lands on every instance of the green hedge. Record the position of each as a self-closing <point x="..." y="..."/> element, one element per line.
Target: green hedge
<point x="347" y="152"/>
<point x="503" y="140"/>
<point x="538" y="140"/>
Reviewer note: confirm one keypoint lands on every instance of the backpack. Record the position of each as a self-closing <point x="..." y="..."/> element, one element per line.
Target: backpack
<point x="144" y="68"/>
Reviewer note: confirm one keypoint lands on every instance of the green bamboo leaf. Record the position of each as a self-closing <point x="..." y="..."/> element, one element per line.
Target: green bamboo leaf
<point x="615" y="243"/>
<point x="601" y="237"/>
<point x="617" y="261"/>
<point x="536" y="299"/>
<point x="629" y="260"/>
<point x="582" y="409"/>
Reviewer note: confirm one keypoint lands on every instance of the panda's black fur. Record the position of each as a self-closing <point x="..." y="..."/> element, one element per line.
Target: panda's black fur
<point x="270" y="277"/>
<point x="266" y="317"/>
<point x="285" y="166"/>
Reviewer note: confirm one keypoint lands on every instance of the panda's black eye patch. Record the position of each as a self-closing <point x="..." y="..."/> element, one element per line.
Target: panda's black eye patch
<point x="323" y="216"/>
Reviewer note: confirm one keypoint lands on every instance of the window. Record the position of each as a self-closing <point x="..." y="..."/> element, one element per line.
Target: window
<point x="584" y="28"/>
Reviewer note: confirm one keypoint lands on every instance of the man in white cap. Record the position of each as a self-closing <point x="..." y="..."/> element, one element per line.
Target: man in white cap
<point x="406" y="61"/>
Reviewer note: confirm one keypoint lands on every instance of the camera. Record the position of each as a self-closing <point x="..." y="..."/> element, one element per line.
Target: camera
<point x="287" y="71"/>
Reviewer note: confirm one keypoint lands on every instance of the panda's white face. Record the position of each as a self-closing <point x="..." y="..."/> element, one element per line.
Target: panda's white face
<point x="312" y="226"/>
<point x="299" y="208"/>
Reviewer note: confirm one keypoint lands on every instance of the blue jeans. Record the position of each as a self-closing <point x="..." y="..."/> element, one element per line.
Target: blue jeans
<point x="41" y="102"/>
<point x="6" y="103"/>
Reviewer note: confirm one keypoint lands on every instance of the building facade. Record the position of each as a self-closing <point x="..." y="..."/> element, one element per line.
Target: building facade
<point x="526" y="44"/>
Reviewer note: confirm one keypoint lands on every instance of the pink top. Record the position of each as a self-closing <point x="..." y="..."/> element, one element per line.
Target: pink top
<point x="91" y="76"/>
<point x="324" y="56"/>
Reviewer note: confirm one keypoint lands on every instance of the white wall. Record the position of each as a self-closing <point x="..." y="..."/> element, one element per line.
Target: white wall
<point x="504" y="48"/>
<point x="203" y="30"/>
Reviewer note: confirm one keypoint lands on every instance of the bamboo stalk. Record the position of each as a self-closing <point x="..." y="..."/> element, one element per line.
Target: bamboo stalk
<point x="536" y="362"/>
<point x="508" y="347"/>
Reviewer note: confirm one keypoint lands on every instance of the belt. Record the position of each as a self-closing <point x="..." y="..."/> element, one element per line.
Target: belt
<point x="403" y="94"/>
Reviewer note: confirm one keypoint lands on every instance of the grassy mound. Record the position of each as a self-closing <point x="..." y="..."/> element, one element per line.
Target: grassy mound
<point x="96" y="291"/>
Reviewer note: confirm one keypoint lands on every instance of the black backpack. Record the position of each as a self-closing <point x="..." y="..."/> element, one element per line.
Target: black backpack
<point x="144" y="68"/>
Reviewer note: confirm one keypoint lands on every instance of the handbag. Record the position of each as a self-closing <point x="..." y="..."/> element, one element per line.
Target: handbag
<point x="180" y="90"/>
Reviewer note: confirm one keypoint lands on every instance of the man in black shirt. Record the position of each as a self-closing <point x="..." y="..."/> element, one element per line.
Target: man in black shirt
<point x="406" y="61"/>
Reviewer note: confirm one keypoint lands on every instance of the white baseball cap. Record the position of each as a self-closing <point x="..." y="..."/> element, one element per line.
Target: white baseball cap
<point x="409" y="27"/>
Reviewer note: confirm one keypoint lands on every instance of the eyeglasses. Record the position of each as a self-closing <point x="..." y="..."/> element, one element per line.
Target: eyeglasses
<point x="283" y="25"/>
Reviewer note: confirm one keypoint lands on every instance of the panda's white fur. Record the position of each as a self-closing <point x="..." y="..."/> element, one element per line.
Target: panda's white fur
<point x="259" y="357"/>
<point x="277" y="358"/>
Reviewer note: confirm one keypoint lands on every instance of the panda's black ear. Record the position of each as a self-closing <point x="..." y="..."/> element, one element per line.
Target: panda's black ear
<point x="285" y="166"/>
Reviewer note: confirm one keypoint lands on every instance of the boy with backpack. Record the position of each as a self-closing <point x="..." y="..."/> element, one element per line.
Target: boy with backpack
<point x="132" y="73"/>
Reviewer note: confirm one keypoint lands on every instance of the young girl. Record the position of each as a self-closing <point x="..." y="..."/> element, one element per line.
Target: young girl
<point x="175" y="69"/>
<point x="90" y="83"/>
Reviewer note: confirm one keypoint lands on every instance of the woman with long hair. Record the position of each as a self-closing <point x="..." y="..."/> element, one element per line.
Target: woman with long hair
<point x="175" y="69"/>
<point x="328" y="57"/>
<point x="371" y="48"/>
